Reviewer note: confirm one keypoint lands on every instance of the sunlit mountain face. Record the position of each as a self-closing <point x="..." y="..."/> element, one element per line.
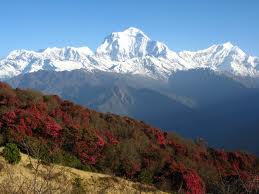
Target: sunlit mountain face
<point x="131" y="52"/>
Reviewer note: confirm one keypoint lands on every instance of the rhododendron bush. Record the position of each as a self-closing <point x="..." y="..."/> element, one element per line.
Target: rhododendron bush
<point x="122" y="146"/>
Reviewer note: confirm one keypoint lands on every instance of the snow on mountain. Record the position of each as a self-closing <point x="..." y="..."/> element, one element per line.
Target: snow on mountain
<point x="131" y="52"/>
<point x="131" y="43"/>
<point x="120" y="46"/>
<point x="56" y="59"/>
<point x="224" y="58"/>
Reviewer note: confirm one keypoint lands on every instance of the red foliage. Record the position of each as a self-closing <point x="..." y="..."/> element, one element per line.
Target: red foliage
<point x="65" y="118"/>
<point x="51" y="127"/>
<point x="251" y="181"/>
<point x="179" y="149"/>
<point x="111" y="138"/>
<point x="89" y="150"/>
<point x="4" y="85"/>
<point x="240" y="160"/>
<point x="29" y="121"/>
<point x="66" y="126"/>
<point x="80" y="116"/>
<point x="193" y="183"/>
<point x="159" y="135"/>
<point x="83" y="150"/>
<point x="222" y="155"/>
<point x="100" y="141"/>
<point x="160" y="138"/>
<point x="131" y="168"/>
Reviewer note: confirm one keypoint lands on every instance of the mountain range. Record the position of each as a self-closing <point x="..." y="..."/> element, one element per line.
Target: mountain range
<point x="210" y="94"/>
<point x="131" y="52"/>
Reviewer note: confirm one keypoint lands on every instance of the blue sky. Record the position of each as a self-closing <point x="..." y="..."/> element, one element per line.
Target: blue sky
<point x="182" y="24"/>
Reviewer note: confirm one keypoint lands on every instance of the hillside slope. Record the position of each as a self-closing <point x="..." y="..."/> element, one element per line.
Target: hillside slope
<point x="194" y="103"/>
<point x="14" y="176"/>
<point x="78" y="137"/>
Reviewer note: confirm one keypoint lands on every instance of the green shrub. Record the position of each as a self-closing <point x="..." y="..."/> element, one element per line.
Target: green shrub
<point x="70" y="160"/>
<point x="145" y="177"/>
<point x="11" y="153"/>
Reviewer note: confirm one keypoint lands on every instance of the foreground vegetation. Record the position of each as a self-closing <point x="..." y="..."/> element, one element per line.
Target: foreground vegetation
<point x="31" y="175"/>
<point x="58" y="131"/>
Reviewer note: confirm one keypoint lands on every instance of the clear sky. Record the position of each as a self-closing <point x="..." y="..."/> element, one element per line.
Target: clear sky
<point x="181" y="24"/>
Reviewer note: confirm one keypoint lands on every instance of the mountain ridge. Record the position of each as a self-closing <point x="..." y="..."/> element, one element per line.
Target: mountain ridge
<point x="131" y="52"/>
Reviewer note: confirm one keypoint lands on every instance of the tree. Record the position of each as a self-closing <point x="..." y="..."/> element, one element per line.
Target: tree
<point x="145" y="176"/>
<point x="11" y="153"/>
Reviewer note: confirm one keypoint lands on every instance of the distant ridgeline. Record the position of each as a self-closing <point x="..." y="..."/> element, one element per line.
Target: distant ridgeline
<point x="131" y="51"/>
<point x="82" y="138"/>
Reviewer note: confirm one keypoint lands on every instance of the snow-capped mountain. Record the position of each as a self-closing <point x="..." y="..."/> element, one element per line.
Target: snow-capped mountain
<point x="132" y="43"/>
<point x="224" y="58"/>
<point x="131" y="52"/>
<point x="51" y="59"/>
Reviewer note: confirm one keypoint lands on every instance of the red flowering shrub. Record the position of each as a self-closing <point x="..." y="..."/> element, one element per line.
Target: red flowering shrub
<point x="29" y="122"/>
<point x="252" y="183"/>
<point x="86" y="152"/>
<point x="51" y="127"/>
<point x="222" y="155"/>
<point x="100" y="141"/>
<point x="192" y="182"/>
<point x="184" y="178"/>
<point x="79" y="115"/>
<point x="15" y="121"/>
<point x="159" y="135"/>
<point x="118" y="145"/>
<point x="89" y="149"/>
<point x="179" y="149"/>
<point x="160" y="138"/>
<point x="111" y="138"/>
<point x="129" y="168"/>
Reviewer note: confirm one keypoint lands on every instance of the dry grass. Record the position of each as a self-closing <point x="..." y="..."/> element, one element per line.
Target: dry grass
<point x="23" y="178"/>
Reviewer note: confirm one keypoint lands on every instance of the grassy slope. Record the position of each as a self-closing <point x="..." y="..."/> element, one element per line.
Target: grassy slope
<point x="92" y="182"/>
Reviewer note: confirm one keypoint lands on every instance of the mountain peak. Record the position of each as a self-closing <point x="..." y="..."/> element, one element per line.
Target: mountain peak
<point x="120" y="46"/>
<point x="130" y="43"/>
<point x="233" y="49"/>
<point x="228" y="45"/>
<point x="132" y="31"/>
<point x="226" y="48"/>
